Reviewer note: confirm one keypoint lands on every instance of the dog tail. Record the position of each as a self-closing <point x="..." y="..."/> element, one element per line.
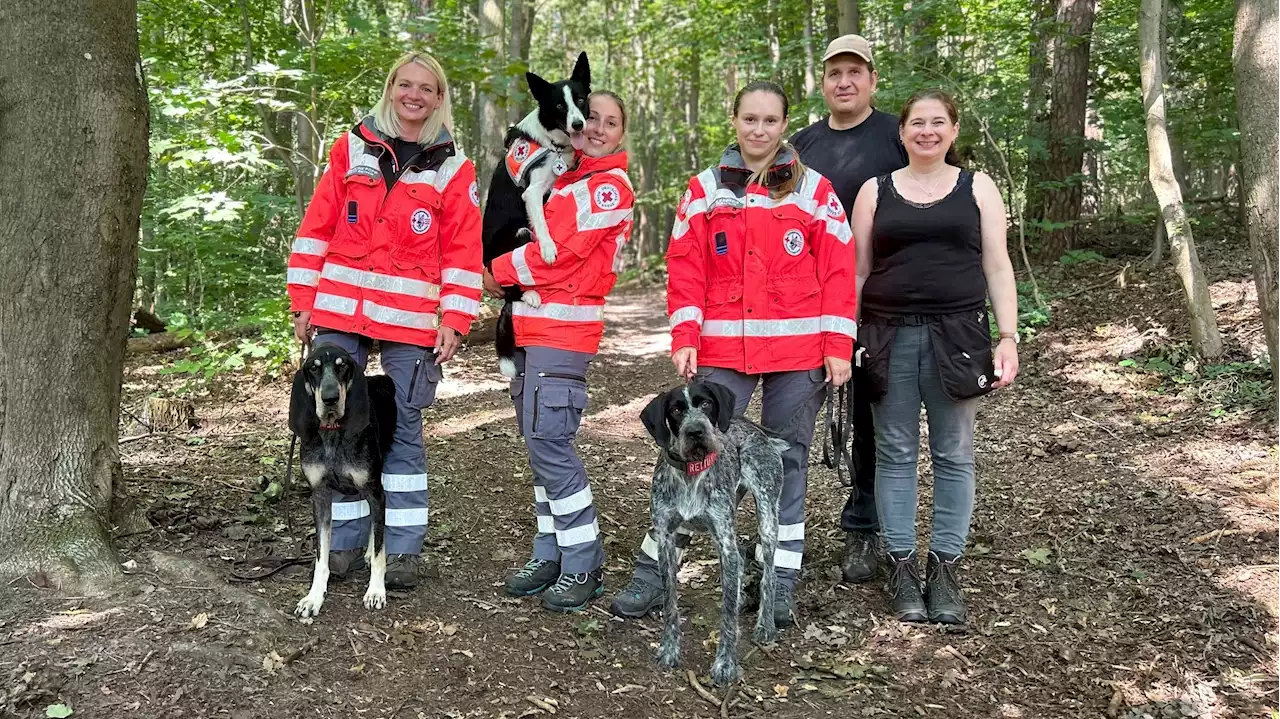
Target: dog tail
<point x="505" y="341"/>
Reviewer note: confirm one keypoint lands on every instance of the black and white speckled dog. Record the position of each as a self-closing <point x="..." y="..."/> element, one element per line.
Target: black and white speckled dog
<point x="709" y="461"/>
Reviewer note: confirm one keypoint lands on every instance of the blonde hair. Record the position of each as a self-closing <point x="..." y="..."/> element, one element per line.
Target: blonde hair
<point x="798" y="168"/>
<point x="384" y="113"/>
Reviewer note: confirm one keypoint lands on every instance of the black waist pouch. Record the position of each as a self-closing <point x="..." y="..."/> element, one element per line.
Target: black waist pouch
<point x="962" y="351"/>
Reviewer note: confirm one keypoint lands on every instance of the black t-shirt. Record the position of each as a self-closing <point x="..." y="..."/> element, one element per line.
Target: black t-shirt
<point x="405" y="150"/>
<point x="848" y="158"/>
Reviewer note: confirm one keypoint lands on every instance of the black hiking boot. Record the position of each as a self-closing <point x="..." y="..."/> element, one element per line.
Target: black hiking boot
<point x="784" y="606"/>
<point x="637" y="600"/>
<point x="402" y="571"/>
<point x="573" y="592"/>
<point x="906" y="590"/>
<point x="942" y="592"/>
<point x="861" y="557"/>
<point x="343" y="563"/>
<point x="535" y="576"/>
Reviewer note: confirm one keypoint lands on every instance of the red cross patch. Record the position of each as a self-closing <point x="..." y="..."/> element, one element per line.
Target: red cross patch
<point x="607" y="197"/>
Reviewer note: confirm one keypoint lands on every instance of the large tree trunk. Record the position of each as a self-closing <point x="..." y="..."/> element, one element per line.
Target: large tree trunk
<point x="1204" y="327"/>
<point x="848" y="19"/>
<point x="1066" y="124"/>
<point x="1257" y="70"/>
<point x="1037" y="136"/>
<point x="489" y="115"/>
<point x="71" y="74"/>
<point x="520" y="14"/>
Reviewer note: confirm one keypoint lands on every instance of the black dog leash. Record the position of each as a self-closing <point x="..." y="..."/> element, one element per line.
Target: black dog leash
<point x="285" y="505"/>
<point x="835" y="445"/>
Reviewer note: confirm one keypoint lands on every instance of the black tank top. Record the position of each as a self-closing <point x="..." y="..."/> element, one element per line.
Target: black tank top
<point x="927" y="258"/>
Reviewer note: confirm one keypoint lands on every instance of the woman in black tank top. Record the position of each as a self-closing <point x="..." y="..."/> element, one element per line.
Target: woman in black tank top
<point x="931" y="249"/>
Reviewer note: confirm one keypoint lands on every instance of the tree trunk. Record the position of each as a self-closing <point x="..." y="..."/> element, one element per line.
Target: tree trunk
<point x="848" y="19"/>
<point x="519" y="26"/>
<point x="489" y="115"/>
<point x="1037" y="135"/>
<point x="1204" y="327"/>
<point x="810" y="85"/>
<point x="1066" y="124"/>
<point x="421" y="11"/>
<point x="1257" y="70"/>
<point x="70" y="71"/>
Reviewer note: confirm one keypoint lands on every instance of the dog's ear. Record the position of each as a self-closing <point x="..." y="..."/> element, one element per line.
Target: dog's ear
<point x="357" y="414"/>
<point x="726" y="402"/>
<point x="302" y="408"/>
<point x="582" y="71"/>
<point x="539" y="88"/>
<point x="654" y="417"/>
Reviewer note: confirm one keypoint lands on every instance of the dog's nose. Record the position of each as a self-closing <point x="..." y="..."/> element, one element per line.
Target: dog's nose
<point x="577" y="125"/>
<point x="695" y="433"/>
<point x="329" y="399"/>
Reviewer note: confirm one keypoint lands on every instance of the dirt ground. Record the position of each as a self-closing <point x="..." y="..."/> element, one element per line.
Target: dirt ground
<point x="1098" y="582"/>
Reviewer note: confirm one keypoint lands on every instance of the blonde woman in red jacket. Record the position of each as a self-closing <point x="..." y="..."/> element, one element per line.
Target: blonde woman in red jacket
<point x="389" y="250"/>
<point x="760" y="290"/>
<point x="589" y="215"/>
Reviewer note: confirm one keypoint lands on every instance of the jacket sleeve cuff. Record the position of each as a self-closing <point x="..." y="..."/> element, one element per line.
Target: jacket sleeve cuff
<point x="685" y="339"/>
<point x="837" y="345"/>
<point x="503" y="271"/>
<point x="300" y="302"/>
<point x="457" y="321"/>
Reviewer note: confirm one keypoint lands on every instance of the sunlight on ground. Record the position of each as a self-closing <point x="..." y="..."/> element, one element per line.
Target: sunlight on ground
<point x="468" y="422"/>
<point x="620" y="421"/>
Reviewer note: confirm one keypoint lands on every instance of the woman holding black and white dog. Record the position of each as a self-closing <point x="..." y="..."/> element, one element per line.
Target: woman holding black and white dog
<point x="589" y="216"/>
<point x="760" y="291"/>
<point x="931" y="248"/>
<point x="389" y="250"/>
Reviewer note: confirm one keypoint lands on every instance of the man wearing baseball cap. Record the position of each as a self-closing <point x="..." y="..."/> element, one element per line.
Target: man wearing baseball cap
<point x="851" y="145"/>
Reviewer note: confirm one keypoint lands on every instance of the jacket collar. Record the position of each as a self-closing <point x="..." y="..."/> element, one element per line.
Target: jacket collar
<point x="588" y="165"/>
<point x="734" y="170"/>
<point x="443" y="145"/>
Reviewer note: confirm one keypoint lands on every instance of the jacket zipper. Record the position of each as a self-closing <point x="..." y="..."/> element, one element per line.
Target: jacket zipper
<point x="413" y="382"/>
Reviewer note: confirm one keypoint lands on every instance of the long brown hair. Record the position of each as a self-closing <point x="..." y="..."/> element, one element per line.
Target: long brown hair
<point x="798" y="168"/>
<point x="952" y="157"/>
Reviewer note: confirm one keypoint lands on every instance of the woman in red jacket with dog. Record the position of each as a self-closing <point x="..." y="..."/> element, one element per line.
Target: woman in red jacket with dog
<point x="389" y="250"/>
<point x="760" y="290"/>
<point x="589" y="215"/>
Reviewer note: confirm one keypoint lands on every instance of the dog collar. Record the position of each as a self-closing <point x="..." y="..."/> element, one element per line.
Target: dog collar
<point x="331" y="427"/>
<point x="691" y="468"/>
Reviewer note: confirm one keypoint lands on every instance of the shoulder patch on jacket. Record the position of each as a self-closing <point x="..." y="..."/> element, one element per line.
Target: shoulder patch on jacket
<point x="522" y="157"/>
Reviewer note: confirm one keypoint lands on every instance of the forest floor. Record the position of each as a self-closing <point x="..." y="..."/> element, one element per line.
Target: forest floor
<point x="1122" y="561"/>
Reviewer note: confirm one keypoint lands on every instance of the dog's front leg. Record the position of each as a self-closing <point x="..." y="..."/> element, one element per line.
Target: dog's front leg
<point x="539" y="184"/>
<point x="376" y="554"/>
<point x="767" y="512"/>
<point x="720" y="521"/>
<point x="668" y="566"/>
<point x="309" y="606"/>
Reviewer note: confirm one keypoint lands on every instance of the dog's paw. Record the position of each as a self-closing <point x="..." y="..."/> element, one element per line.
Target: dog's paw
<point x="668" y="657"/>
<point x="375" y="598"/>
<point x="309" y="606"/>
<point x="531" y="298"/>
<point x="724" y="672"/>
<point x="547" y="249"/>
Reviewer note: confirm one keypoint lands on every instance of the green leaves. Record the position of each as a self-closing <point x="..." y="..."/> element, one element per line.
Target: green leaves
<point x="1038" y="557"/>
<point x="58" y="711"/>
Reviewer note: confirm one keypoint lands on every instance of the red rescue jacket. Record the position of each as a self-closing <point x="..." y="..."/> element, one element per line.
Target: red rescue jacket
<point x="589" y="216"/>
<point x="390" y="264"/>
<point x="756" y="284"/>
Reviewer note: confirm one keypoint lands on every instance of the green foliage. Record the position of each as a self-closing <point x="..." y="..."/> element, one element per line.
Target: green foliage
<point x="272" y="348"/>
<point x="1223" y="388"/>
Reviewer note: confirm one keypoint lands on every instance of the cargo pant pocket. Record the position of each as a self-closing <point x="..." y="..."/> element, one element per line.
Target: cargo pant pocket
<point x="557" y="410"/>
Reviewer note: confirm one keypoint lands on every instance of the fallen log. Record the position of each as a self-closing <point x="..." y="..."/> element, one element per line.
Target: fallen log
<point x="167" y="341"/>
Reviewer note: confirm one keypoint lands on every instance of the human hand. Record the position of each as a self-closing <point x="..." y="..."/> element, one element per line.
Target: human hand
<point x="447" y="342"/>
<point x="1006" y="363"/>
<point x="686" y="362"/>
<point x="838" y="370"/>
<point x="302" y="326"/>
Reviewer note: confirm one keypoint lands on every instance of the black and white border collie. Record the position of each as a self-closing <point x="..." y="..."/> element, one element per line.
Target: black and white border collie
<point x="513" y="211"/>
